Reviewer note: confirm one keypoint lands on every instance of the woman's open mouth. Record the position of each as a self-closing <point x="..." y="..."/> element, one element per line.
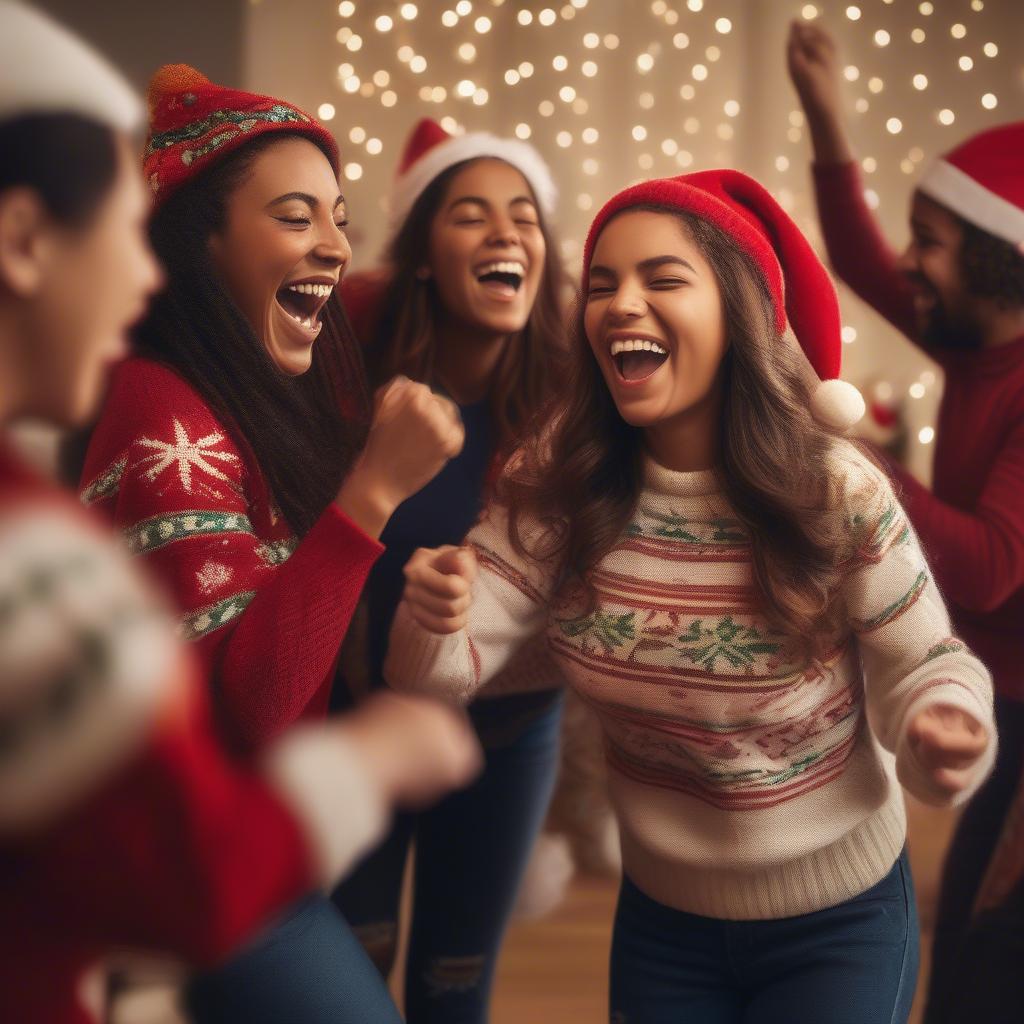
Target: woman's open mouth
<point x="304" y="301"/>
<point x="636" y="359"/>
<point x="501" y="278"/>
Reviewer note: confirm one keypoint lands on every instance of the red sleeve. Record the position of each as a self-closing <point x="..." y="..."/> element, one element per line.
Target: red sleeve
<point x="978" y="556"/>
<point x="270" y="616"/>
<point x="857" y="251"/>
<point x="180" y="852"/>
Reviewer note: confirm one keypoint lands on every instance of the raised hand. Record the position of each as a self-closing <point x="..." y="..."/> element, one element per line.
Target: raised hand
<point x="413" y="434"/>
<point x="813" y="61"/>
<point x="948" y="742"/>
<point x="438" y="587"/>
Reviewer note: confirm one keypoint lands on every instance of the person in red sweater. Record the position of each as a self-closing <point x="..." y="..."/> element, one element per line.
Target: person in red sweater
<point x="958" y="293"/>
<point x="240" y="456"/>
<point x="122" y="821"/>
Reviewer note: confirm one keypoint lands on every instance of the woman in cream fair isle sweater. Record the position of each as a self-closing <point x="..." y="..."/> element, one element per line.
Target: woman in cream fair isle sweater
<point x="737" y="592"/>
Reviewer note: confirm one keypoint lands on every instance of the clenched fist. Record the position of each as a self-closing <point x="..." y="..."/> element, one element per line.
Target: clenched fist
<point x="948" y="742"/>
<point x="416" y="748"/>
<point x="438" y="587"/>
<point x="413" y="434"/>
<point x="813" y="61"/>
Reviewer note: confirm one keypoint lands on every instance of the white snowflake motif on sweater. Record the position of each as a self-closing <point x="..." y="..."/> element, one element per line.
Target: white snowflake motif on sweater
<point x="213" y="576"/>
<point x="186" y="454"/>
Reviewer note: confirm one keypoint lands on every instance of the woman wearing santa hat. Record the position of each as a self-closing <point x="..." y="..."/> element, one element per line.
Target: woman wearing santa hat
<point x="736" y="590"/>
<point x="122" y="822"/>
<point x="239" y="454"/>
<point x="470" y="302"/>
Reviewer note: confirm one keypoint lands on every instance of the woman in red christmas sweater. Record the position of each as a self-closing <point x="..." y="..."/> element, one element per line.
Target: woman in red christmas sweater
<point x="234" y="454"/>
<point x="122" y="823"/>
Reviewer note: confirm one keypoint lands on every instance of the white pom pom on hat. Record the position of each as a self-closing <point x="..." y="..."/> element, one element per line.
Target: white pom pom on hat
<point x="45" y="69"/>
<point x="837" y="404"/>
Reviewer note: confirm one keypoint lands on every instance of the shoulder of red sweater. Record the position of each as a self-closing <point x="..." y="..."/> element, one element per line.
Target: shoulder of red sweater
<point x="145" y="390"/>
<point x="153" y="422"/>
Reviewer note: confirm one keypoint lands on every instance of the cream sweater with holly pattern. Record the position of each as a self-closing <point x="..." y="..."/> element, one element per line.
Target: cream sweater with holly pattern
<point x="748" y="782"/>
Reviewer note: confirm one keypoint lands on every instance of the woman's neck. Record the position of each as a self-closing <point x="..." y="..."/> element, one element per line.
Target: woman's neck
<point x="466" y="359"/>
<point x="689" y="441"/>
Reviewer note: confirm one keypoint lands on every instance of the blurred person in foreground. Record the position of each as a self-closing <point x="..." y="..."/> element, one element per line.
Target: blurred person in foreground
<point x="123" y="825"/>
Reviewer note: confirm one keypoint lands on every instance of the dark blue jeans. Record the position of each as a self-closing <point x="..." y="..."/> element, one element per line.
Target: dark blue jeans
<point x="471" y="850"/>
<point x="309" y="968"/>
<point x="851" y="964"/>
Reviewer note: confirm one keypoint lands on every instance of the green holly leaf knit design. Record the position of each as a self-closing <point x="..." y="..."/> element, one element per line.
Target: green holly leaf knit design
<point x="611" y="631"/>
<point x="725" y="639"/>
<point x="673" y="527"/>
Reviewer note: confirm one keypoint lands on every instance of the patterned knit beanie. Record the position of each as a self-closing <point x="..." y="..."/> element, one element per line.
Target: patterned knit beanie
<point x="801" y="290"/>
<point x="982" y="180"/>
<point x="194" y="124"/>
<point x="430" y="151"/>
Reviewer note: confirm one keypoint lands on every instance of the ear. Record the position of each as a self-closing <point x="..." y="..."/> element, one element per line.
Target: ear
<point x="26" y="237"/>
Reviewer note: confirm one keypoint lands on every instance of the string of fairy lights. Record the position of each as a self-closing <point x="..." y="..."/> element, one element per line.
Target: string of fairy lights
<point x="611" y="92"/>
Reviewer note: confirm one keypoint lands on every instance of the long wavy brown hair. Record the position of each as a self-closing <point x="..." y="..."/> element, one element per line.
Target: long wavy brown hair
<point x="406" y="337"/>
<point x="581" y="477"/>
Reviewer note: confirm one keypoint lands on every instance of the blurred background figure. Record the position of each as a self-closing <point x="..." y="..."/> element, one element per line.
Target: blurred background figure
<point x="957" y="291"/>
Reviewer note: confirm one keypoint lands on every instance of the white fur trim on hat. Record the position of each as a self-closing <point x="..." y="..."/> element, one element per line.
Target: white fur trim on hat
<point x="44" y="69"/>
<point x="522" y="156"/>
<point x="837" y="404"/>
<point x="970" y="199"/>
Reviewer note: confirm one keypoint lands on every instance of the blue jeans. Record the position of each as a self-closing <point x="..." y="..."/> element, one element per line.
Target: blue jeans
<point x="307" y="969"/>
<point x="855" y="963"/>
<point x="471" y="851"/>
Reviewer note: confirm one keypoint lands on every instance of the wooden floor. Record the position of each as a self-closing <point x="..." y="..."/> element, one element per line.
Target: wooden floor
<point x="555" y="971"/>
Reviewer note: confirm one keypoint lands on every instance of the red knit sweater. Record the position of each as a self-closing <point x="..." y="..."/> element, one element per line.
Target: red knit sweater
<point x="972" y="521"/>
<point x="121" y="821"/>
<point x="268" y="611"/>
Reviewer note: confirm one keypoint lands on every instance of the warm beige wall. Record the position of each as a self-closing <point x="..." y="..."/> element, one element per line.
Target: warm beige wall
<point x="140" y="35"/>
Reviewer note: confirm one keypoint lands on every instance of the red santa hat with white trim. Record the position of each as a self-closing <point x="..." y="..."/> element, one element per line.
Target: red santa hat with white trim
<point x="982" y="181"/>
<point x="430" y="151"/>
<point x="45" y="69"/>
<point x="803" y="295"/>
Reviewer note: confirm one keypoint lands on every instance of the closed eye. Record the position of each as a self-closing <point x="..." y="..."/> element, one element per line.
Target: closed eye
<point x="668" y="282"/>
<point x="294" y="220"/>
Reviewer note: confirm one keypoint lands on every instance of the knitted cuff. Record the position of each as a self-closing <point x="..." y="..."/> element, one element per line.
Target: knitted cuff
<point x="327" y="786"/>
<point x="419" y="661"/>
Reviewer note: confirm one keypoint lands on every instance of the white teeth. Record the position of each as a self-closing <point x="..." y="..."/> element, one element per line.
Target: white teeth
<point x="308" y="322"/>
<point x="502" y="267"/>
<point x="320" y="290"/>
<point x="637" y="345"/>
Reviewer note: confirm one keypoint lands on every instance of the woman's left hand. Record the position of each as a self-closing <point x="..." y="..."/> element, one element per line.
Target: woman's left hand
<point x="948" y="742"/>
